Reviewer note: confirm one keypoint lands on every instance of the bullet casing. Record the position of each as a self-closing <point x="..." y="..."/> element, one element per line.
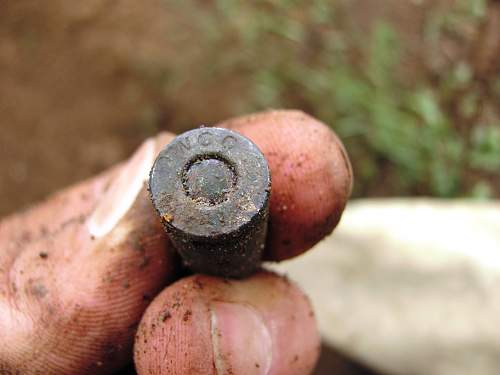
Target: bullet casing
<point x="211" y="188"/>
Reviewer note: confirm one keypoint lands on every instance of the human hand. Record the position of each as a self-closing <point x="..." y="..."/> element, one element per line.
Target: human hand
<point x="79" y="271"/>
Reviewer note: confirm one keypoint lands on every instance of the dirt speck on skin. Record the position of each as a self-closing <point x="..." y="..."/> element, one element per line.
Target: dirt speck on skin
<point x="187" y="315"/>
<point x="144" y="262"/>
<point x="165" y="315"/>
<point x="198" y="284"/>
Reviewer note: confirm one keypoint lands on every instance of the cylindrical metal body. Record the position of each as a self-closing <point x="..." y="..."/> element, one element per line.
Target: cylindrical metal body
<point x="211" y="187"/>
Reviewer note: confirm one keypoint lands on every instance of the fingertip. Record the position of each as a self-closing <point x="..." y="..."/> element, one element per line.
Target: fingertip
<point x="311" y="177"/>
<point x="202" y="324"/>
<point x="173" y="335"/>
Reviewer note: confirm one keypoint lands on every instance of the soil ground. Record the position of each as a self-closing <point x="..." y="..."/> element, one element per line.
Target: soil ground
<point x="81" y="85"/>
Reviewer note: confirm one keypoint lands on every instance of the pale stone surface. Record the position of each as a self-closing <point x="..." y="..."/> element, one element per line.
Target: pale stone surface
<point x="410" y="286"/>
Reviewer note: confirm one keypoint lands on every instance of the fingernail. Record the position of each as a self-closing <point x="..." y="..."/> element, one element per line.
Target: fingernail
<point x="241" y="341"/>
<point x="122" y="193"/>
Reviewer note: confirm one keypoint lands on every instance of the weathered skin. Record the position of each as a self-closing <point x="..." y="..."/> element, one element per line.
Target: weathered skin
<point x="70" y="301"/>
<point x="255" y="332"/>
<point x="312" y="171"/>
<point x="78" y="271"/>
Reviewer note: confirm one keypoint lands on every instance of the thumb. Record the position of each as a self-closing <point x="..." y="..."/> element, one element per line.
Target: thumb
<point x="77" y="272"/>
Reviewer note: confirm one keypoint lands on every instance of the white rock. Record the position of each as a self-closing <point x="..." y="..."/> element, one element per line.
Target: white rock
<point x="410" y="286"/>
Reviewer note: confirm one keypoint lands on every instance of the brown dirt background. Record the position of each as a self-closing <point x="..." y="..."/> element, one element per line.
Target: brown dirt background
<point x="79" y="84"/>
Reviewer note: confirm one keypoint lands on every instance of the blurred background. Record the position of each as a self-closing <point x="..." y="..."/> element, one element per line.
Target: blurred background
<point x="412" y="87"/>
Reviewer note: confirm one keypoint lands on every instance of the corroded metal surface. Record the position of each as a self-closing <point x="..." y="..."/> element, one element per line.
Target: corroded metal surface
<point x="211" y="188"/>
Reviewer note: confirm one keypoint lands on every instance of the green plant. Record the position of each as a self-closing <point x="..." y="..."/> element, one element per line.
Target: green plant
<point x="405" y="136"/>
